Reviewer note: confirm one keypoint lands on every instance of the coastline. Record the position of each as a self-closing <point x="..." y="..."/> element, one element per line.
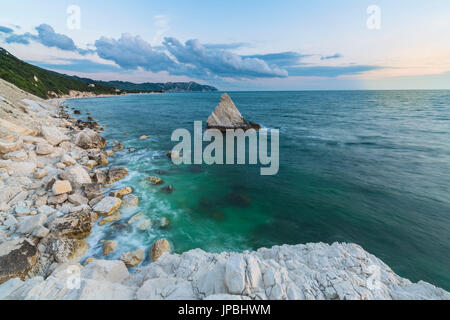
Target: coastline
<point x="54" y="146"/>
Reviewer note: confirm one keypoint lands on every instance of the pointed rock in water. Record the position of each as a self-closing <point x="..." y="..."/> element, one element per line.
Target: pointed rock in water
<point x="227" y="116"/>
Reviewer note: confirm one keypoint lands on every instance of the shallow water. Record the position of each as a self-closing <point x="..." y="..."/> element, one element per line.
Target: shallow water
<point x="370" y="167"/>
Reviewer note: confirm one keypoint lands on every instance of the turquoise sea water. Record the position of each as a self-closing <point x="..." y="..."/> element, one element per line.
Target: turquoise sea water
<point x="370" y="167"/>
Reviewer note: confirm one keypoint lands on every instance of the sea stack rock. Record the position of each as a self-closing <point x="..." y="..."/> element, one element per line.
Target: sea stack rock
<point x="227" y="116"/>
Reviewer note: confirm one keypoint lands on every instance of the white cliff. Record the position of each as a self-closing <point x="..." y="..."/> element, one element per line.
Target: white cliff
<point x="311" y="271"/>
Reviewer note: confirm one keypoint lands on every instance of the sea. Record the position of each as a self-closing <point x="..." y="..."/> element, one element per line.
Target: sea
<point x="367" y="167"/>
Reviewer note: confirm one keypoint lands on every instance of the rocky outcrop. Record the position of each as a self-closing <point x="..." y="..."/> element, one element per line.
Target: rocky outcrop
<point x="132" y="258"/>
<point x="311" y="271"/>
<point x="77" y="175"/>
<point x="227" y="116"/>
<point x="17" y="257"/>
<point x="75" y="225"/>
<point x="158" y="248"/>
<point x="53" y="135"/>
<point x="107" y="206"/>
<point x="116" y="173"/>
<point x="89" y="139"/>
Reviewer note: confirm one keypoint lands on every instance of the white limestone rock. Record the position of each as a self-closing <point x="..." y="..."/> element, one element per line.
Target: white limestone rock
<point x="76" y="174"/>
<point x="53" y="135"/>
<point x="28" y="224"/>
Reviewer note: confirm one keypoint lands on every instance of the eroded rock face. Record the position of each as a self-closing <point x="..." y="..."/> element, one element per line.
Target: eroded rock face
<point x="89" y="139"/>
<point x="93" y="190"/>
<point x="116" y="173"/>
<point x="107" y="206"/>
<point x="311" y="271"/>
<point x="158" y="248"/>
<point x="75" y="225"/>
<point x="109" y="246"/>
<point x="132" y="258"/>
<point x="66" y="250"/>
<point x="17" y="257"/>
<point x="227" y="116"/>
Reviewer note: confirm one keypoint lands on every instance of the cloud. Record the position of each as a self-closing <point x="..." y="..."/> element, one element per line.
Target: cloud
<point x="334" y="56"/>
<point x="192" y="59"/>
<point x="19" y="38"/>
<point x="48" y="37"/>
<point x="221" y="63"/>
<point x="6" y="29"/>
<point x="330" y="71"/>
<point x="131" y="52"/>
<point x="281" y="59"/>
<point x="226" y="46"/>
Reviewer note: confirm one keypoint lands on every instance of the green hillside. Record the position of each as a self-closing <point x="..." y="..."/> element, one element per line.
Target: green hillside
<point x="46" y="84"/>
<point x="42" y="82"/>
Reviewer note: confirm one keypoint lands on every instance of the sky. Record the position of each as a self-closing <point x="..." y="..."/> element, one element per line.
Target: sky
<point x="238" y="45"/>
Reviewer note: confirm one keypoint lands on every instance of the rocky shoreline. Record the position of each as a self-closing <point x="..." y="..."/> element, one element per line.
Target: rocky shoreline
<point x="53" y="179"/>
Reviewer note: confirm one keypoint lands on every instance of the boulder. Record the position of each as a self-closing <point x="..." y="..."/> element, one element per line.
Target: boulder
<point x="100" y="176"/>
<point x="61" y="186"/>
<point x="164" y="223"/>
<point x="28" y="224"/>
<point x="24" y="168"/>
<point x="17" y="258"/>
<point x="75" y="225"/>
<point x="53" y="135"/>
<point x="93" y="190"/>
<point x="77" y="199"/>
<point x="114" y="217"/>
<point x="89" y="139"/>
<point x="6" y="146"/>
<point x="40" y="232"/>
<point x="109" y="246"/>
<point x="76" y="175"/>
<point x="40" y="173"/>
<point x="68" y="250"/>
<point x="19" y="155"/>
<point x="167" y="189"/>
<point x="53" y="200"/>
<point x="227" y="116"/>
<point x="130" y="200"/>
<point x="121" y="192"/>
<point x="154" y="180"/>
<point x="107" y="206"/>
<point x="158" y="248"/>
<point x="68" y="160"/>
<point x="43" y="149"/>
<point x="116" y="173"/>
<point x="132" y="258"/>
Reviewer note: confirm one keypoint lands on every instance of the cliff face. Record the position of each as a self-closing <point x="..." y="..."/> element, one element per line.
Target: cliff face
<point x="311" y="271"/>
<point x="51" y="195"/>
